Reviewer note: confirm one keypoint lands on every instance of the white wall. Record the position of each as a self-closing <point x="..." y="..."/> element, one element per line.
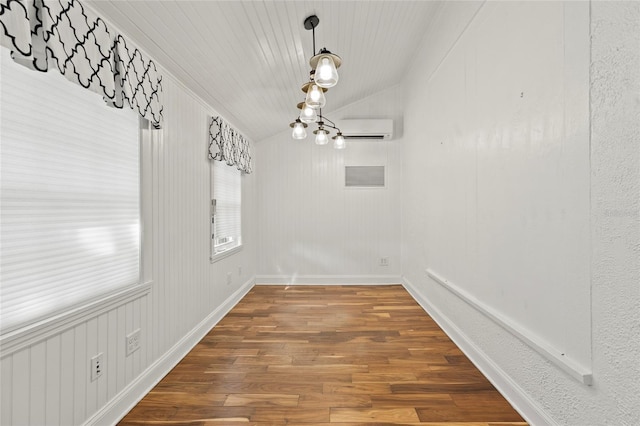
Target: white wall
<point x="521" y="199"/>
<point x="500" y="146"/>
<point x="299" y="232"/>
<point x="47" y="382"/>
<point x="312" y="228"/>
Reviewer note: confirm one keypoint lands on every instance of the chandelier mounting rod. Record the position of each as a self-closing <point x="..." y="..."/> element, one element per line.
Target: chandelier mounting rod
<point x="310" y="23"/>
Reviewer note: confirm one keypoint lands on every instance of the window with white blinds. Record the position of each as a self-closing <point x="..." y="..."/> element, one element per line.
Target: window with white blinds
<point x="70" y="194"/>
<point x="226" y="220"/>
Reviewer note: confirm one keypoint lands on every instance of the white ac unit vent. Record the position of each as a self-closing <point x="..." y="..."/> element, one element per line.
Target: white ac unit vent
<point x="381" y="129"/>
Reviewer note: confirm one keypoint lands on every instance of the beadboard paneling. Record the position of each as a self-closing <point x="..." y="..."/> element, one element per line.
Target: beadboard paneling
<point x="250" y="58"/>
<point x="49" y="381"/>
<point x="311" y="226"/>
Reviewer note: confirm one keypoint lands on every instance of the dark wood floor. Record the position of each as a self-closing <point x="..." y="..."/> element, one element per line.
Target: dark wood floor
<point x="314" y="355"/>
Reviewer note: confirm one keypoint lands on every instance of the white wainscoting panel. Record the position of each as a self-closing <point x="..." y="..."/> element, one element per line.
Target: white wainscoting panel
<point x="49" y="381"/>
<point x="112" y="412"/>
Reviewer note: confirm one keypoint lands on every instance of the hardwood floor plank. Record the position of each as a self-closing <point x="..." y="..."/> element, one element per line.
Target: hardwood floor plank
<point x="238" y="368"/>
<point x="187" y="388"/>
<point x="194" y="377"/>
<point x="155" y="398"/>
<point x="357" y="388"/>
<point x="396" y="415"/>
<point x="312" y="401"/>
<point x="265" y="387"/>
<point x="341" y="359"/>
<point x="285" y="377"/>
<point x="413" y="400"/>
<point x="323" y="369"/>
<point x="421" y="387"/>
<point x="261" y="400"/>
<point x="185" y="413"/>
<point x="441" y="414"/>
<point x="383" y="377"/>
<point x="203" y="351"/>
<point x="262" y="360"/>
<point x="288" y="415"/>
<point x="325" y="355"/>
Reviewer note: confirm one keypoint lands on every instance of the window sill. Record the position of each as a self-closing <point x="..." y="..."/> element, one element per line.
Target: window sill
<point x="223" y="254"/>
<point x="28" y="335"/>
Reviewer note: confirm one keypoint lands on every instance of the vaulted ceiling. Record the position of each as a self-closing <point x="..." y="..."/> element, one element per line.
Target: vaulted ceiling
<point x="248" y="59"/>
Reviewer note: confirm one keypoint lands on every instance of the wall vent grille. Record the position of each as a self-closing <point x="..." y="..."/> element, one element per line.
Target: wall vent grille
<point x="364" y="176"/>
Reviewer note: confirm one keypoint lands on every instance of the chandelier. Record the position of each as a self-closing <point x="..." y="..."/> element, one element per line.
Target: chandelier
<point x="323" y="75"/>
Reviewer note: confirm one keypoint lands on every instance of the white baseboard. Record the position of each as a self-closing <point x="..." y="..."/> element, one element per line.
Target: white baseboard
<point x="329" y="279"/>
<point x="513" y="393"/>
<point x="125" y="400"/>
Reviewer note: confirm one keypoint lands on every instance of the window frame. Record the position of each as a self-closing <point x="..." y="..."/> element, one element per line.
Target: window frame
<point x="214" y="255"/>
<point x="24" y="335"/>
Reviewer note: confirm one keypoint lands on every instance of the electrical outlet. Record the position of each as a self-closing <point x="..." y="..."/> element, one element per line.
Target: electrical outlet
<point x="229" y="278"/>
<point x="133" y="341"/>
<point x="96" y="366"/>
<point x="384" y="261"/>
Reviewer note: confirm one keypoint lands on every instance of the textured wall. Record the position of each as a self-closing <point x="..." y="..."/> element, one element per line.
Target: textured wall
<point x="48" y="382"/>
<point x="312" y="228"/>
<point x="612" y="184"/>
<point x="615" y="215"/>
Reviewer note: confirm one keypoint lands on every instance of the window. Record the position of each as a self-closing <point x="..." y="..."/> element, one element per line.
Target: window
<point x="70" y="194"/>
<point x="225" y="209"/>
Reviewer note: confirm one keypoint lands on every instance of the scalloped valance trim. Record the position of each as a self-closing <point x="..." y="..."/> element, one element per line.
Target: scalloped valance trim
<point x="43" y="34"/>
<point x="228" y="145"/>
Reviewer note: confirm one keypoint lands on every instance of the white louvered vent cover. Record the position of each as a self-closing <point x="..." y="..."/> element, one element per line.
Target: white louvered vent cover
<point x="364" y="176"/>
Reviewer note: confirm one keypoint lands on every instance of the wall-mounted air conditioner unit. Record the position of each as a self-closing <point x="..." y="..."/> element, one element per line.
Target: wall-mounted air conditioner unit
<point x="381" y="129"/>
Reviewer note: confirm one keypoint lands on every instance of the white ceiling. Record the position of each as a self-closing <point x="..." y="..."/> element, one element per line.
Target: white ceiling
<point x="248" y="59"/>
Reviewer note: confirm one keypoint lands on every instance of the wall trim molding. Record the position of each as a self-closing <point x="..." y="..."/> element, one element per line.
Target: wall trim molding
<point x="328" y="279"/>
<point x="30" y="335"/>
<point x="513" y="393"/>
<point x="575" y="370"/>
<point x="125" y="400"/>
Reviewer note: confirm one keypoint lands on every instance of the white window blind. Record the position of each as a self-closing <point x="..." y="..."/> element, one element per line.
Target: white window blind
<point x="70" y="194"/>
<point x="227" y="194"/>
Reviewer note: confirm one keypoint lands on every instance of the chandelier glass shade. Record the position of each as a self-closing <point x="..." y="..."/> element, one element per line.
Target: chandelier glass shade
<point x="299" y="129"/>
<point x="327" y="73"/>
<point x="315" y="97"/>
<point x="326" y="66"/>
<point x="322" y="136"/>
<point x="339" y="142"/>
<point x="323" y="75"/>
<point x="307" y="114"/>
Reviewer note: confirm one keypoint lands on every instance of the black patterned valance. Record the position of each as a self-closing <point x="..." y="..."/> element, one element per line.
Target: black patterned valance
<point x="63" y="34"/>
<point x="228" y="145"/>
